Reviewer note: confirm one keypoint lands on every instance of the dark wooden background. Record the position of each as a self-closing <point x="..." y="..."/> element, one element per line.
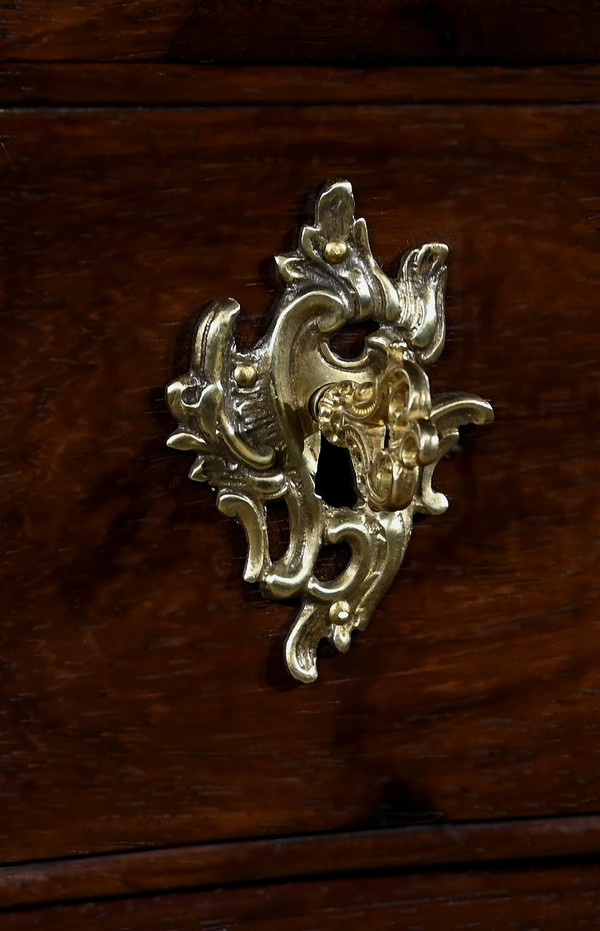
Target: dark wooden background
<point x="158" y="769"/>
<point x="324" y="32"/>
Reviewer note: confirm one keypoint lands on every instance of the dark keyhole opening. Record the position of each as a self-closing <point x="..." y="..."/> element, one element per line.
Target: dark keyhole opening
<point x="335" y="481"/>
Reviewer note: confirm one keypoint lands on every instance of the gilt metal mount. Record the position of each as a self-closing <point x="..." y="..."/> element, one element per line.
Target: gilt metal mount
<point x="255" y="420"/>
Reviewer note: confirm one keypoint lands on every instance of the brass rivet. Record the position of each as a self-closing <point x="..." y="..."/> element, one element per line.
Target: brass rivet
<point x="244" y="375"/>
<point x="336" y="251"/>
<point x="339" y="612"/>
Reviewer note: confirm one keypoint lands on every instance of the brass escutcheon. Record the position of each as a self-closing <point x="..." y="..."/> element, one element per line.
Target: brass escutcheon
<point x="255" y="420"/>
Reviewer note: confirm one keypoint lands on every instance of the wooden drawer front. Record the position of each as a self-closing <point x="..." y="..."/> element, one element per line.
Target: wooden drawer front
<point x="144" y="697"/>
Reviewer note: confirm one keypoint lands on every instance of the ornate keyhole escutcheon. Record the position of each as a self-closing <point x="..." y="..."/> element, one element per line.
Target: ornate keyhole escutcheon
<point x="256" y="419"/>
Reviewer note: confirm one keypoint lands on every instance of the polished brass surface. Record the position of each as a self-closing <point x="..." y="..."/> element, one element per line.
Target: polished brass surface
<point x="256" y="419"/>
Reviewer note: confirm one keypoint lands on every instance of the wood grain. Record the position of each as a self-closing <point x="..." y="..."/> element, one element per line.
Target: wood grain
<point x="319" y="855"/>
<point x="394" y="31"/>
<point x="391" y="32"/>
<point x="144" y="701"/>
<point x="99" y="30"/>
<point x="470" y="900"/>
<point x="35" y="84"/>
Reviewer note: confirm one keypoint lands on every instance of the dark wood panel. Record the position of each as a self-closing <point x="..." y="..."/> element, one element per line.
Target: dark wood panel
<point x="98" y="30"/>
<point x="144" y="700"/>
<point x="553" y="899"/>
<point x="322" y="855"/>
<point x="46" y="84"/>
<point x="391" y="32"/>
<point x="238" y="31"/>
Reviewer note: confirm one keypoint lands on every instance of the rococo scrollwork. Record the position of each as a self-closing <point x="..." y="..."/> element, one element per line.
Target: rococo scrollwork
<point x="256" y="420"/>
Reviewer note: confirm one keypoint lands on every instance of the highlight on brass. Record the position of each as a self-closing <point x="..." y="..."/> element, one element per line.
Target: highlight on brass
<point x="256" y="420"/>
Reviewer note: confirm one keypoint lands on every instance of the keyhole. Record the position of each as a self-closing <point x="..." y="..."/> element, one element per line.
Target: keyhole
<point x="335" y="481"/>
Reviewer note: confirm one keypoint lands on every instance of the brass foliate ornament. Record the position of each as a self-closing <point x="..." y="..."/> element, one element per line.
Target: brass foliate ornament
<point x="256" y="419"/>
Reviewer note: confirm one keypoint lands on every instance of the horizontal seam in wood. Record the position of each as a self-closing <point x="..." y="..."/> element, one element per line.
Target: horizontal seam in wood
<point x="65" y="109"/>
<point x="259" y="861"/>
